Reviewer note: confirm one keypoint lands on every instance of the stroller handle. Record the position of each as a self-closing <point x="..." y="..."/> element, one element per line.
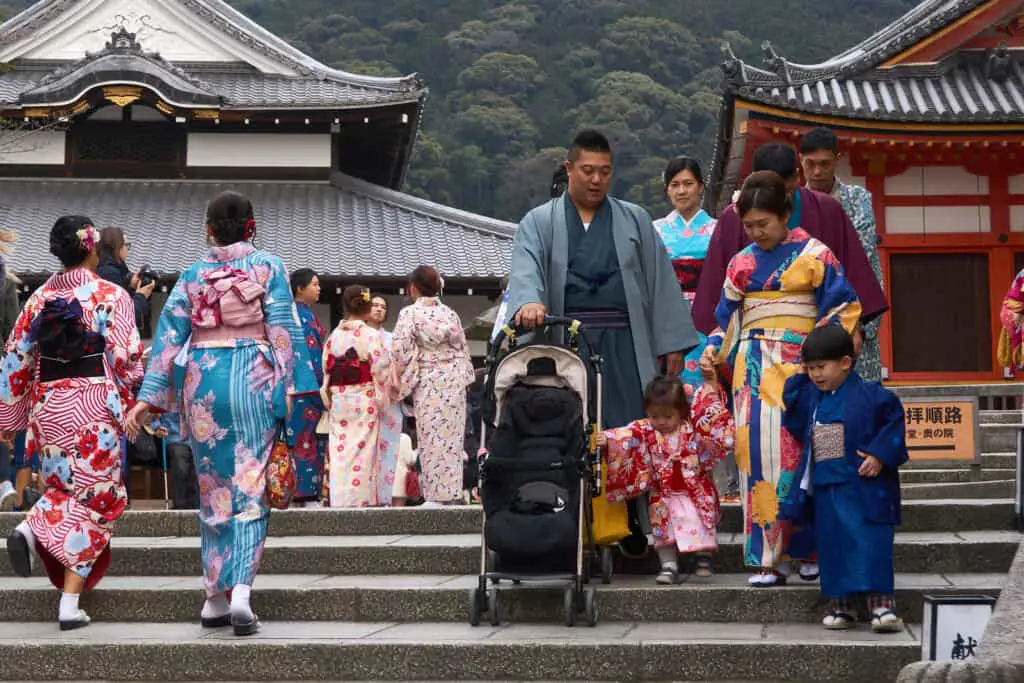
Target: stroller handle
<point x="510" y="331"/>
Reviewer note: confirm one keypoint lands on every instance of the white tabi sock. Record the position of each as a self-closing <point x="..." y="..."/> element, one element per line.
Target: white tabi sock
<point x="240" y="608"/>
<point x="25" y="530"/>
<point x="669" y="557"/>
<point x="68" y="607"/>
<point x="214" y="607"/>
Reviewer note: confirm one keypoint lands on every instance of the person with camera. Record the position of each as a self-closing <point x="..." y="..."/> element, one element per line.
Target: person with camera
<point x="113" y="267"/>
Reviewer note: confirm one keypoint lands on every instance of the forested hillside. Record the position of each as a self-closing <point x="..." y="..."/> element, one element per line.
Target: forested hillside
<point x="511" y="80"/>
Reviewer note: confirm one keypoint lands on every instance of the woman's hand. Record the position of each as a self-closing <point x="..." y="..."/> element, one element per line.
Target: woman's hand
<point x="147" y="291"/>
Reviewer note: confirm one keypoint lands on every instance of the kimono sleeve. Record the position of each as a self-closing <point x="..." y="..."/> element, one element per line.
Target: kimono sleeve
<point x="837" y="301"/>
<point x="172" y="333"/>
<point x="404" y="353"/>
<point x="889" y="443"/>
<point x="380" y="366"/>
<point x="285" y="334"/>
<point x="730" y="297"/>
<point x="458" y="342"/>
<point x="672" y="327"/>
<point x="124" y="346"/>
<point x="628" y="463"/>
<point x="714" y="424"/>
<point x="528" y="273"/>
<point x="17" y="376"/>
<point x="798" y="412"/>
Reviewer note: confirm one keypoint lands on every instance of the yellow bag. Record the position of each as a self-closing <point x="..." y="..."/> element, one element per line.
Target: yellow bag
<point x="611" y="520"/>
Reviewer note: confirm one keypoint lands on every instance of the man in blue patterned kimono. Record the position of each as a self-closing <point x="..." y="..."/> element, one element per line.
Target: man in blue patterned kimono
<point x="819" y="156"/>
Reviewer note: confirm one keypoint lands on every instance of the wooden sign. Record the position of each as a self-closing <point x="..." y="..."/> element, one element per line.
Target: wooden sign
<point x="953" y="626"/>
<point x="942" y="430"/>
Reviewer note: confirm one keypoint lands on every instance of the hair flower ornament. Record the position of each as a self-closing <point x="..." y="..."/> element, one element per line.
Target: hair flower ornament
<point x="365" y="295"/>
<point x="88" y="237"/>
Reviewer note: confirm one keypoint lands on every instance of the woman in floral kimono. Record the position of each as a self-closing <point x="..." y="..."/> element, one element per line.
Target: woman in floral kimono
<point x="777" y="289"/>
<point x="1011" y="337"/>
<point x="355" y="391"/>
<point x="389" y="445"/>
<point x="432" y="364"/>
<point x="69" y="367"/>
<point x="233" y="317"/>
<point x="308" y="448"/>
<point x="687" y="232"/>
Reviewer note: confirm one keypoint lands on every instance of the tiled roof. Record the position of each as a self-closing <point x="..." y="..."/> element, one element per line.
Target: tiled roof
<point x="984" y="87"/>
<point x="349" y="228"/>
<point x="316" y="85"/>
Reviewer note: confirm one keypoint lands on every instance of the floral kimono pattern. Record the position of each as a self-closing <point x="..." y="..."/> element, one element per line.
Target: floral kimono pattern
<point x="233" y="401"/>
<point x="683" y="501"/>
<point x="308" y="448"/>
<point x="356" y="367"/>
<point x="74" y="424"/>
<point x="687" y="245"/>
<point x="432" y="364"/>
<point x="389" y="443"/>
<point x="1011" y="337"/>
<point x="771" y="300"/>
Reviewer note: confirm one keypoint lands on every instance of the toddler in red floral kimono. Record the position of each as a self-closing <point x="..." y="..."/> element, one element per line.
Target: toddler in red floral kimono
<point x="669" y="456"/>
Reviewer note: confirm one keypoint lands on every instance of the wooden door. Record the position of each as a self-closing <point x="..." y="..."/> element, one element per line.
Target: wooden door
<point x="941" y="320"/>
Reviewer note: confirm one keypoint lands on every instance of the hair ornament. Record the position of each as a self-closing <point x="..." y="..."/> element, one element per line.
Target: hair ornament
<point x="250" y="229"/>
<point x="365" y="295"/>
<point x="88" y="237"/>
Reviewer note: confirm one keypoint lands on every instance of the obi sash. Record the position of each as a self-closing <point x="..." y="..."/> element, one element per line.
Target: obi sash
<point x="602" y="319"/>
<point x="350" y="371"/>
<point x="54" y="369"/>
<point x="227" y="336"/>
<point x="687" y="272"/>
<point x="780" y="311"/>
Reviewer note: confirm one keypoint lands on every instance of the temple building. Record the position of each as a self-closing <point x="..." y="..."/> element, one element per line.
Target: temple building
<point x="137" y="112"/>
<point x="930" y="114"/>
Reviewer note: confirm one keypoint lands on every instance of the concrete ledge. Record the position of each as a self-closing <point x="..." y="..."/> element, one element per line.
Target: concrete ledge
<point x="961" y="672"/>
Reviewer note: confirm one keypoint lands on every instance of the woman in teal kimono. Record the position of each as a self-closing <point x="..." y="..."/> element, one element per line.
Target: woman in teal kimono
<point x="307" y="447"/>
<point x="687" y="232"/>
<point x="233" y="314"/>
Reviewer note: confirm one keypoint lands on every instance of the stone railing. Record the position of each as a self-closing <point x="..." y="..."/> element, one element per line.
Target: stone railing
<point x="1001" y="653"/>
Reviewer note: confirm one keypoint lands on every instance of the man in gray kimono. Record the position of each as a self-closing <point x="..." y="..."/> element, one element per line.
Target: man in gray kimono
<point x="598" y="259"/>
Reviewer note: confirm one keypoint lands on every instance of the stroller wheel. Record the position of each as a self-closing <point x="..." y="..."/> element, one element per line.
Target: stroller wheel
<point x="477" y="606"/>
<point x="607" y="565"/>
<point x="569" y="605"/>
<point x="590" y="611"/>
<point x="495" y="612"/>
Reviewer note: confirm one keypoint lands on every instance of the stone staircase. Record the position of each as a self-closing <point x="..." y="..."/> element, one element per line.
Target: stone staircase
<point x="384" y="595"/>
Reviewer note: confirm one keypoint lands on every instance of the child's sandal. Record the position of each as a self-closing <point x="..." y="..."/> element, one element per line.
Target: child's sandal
<point x="668" y="576"/>
<point x="838" y="621"/>
<point x="703" y="567"/>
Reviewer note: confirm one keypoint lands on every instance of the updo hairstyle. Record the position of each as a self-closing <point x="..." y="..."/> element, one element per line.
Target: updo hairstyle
<point x="230" y="218"/>
<point x="427" y="281"/>
<point x="765" y="191"/>
<point x="65" y="243"/>
<point x="356" y="300"/>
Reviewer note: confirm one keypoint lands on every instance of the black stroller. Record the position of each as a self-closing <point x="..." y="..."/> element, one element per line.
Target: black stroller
<point x="543" y="404"/>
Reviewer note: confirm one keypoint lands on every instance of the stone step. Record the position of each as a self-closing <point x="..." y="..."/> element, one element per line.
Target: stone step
<point x="999" y="460"/>
<point x="923" y="552"/>
<point x="999" y="417"/>
<point x="613" y="651"/>
<point x="918" y="515"/>
<point x="946" y="476"/>
<point x="444" y="598"/>
<point x="970" y="489"/>
<point x="998" y="437"/>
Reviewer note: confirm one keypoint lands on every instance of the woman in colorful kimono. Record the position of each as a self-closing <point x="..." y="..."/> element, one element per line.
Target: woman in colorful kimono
<point x="393" y="418"/>
<point x="687" y="232"/>
<point x="432" y="364"/>
<point x="1011" y="337"/>
<point x="356" y="393"/>
<point x="69" y="367"/>
<point x="308" y="448"/>
<point x="232" y="317"/>
<point x="776" y="291"/>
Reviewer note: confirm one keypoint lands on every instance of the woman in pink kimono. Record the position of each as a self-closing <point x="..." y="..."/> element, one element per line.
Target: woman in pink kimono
<point x="431" y="362"/>
<point x="355" y="393"/>
<point x="69" y="367"/>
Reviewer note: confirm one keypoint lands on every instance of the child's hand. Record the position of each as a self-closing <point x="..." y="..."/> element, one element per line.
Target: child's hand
<point x="600" y="440"/>
<point x="707" y="368"/>
<point x="870" y="467"/>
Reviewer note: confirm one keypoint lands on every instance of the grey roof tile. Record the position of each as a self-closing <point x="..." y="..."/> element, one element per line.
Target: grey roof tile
<point x="349" y="228"/>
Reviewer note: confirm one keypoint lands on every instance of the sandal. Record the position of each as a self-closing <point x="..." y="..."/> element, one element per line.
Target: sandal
<point x="767" y="578"/>
<point x="837" y="620"/>
<point x="703" y="567"/>
<point x="809" y="571"/>
<point x="885" y="621"/>
<point x="668" y="576"/>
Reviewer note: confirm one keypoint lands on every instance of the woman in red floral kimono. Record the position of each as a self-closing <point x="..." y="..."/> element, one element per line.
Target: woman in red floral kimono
<point x="670" y="456"/>
<point x="66" y="376"/>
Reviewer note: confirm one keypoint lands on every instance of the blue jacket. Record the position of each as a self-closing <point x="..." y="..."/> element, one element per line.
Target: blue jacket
<point x="873" y="422"/>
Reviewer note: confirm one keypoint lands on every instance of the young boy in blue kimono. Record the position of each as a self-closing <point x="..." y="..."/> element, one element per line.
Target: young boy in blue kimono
<point x="853" y="440"/>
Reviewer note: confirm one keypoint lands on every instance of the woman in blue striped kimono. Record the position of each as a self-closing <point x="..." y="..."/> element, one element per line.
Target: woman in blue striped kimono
<point x="392" y="417"/>
<point x="234" y="315"/>
<point x="776" y="291"/>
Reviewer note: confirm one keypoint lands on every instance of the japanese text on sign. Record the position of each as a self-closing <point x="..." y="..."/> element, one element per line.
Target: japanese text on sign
<point x="940" y="430"/>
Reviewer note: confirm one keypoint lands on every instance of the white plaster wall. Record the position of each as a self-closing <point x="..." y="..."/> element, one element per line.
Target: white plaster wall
<point x="1017" y="218"/>
<point x="259" y="150"/>
<point x="904" y="220"/>
<point x="1017" y="184"/>
<point x="908" y="183"/>
<point x="943" y="180"/>
<point x="44" y="148"/>
<point x="845" y="173"/>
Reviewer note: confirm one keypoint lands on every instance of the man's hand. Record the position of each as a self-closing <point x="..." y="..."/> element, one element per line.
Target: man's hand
<point x="7" y="438"/>
<point x="147" y="291"/>
<point x="674" y="363"/>
<point x="870" y="467"/>
<point x="531" y="316"/>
